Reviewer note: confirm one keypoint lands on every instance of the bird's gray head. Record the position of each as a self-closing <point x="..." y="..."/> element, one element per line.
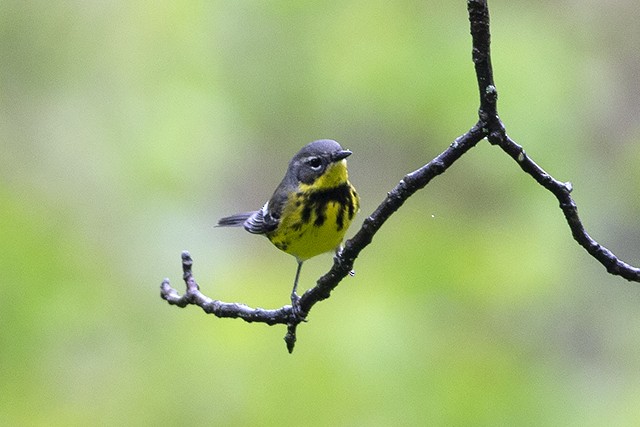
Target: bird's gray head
<point x="313" y="159"/>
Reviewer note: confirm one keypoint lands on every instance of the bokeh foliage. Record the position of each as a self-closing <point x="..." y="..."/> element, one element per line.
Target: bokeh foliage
<point x="128" y="128"/>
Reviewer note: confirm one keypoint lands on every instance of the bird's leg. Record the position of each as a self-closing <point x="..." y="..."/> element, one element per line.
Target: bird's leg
<point x="295" y="299"/>
<point x="295" y="281"/>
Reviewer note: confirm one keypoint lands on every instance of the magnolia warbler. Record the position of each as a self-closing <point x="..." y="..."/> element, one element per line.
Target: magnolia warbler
<point x="310" y="210"/>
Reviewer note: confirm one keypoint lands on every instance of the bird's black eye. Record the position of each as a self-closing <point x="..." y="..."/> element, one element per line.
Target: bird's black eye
<point x="314" y="163"/>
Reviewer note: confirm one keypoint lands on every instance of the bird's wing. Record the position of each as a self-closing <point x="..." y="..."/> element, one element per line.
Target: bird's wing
<point x="262" y="221"/>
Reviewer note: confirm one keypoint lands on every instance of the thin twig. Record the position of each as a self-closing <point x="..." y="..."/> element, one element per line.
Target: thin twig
<point x="218" y="308"/>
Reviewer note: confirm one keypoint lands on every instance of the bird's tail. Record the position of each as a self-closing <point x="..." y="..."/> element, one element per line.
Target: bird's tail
<point x="234" y="220"/>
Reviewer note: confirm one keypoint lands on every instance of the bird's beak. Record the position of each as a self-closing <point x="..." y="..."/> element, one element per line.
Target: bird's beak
<point x="339" y="155"/>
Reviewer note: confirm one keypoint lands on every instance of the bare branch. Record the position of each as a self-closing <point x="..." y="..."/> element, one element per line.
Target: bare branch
<point x="562" y="191"/>
<point x="496" y="134"/>
<point x="215" y="307"/>
<point x="489" y="126"/>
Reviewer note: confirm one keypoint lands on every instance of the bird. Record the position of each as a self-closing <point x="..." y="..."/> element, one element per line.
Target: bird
<point x="310" y="210"/>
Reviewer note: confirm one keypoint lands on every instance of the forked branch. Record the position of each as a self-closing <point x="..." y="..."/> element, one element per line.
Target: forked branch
<point x="488" y="126"/>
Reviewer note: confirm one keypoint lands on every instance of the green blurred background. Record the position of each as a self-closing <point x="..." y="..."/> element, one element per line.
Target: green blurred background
<point x="128" y="128"/>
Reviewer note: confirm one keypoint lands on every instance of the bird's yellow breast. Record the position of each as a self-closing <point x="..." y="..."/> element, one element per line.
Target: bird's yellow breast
<point x="315" y="218"/>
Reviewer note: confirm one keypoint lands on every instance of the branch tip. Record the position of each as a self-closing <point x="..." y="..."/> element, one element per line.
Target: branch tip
<point x="290" y="337"/>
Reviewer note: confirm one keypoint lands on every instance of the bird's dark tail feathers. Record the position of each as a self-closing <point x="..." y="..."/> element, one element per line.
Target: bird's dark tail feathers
<point x="234" y="220"/>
